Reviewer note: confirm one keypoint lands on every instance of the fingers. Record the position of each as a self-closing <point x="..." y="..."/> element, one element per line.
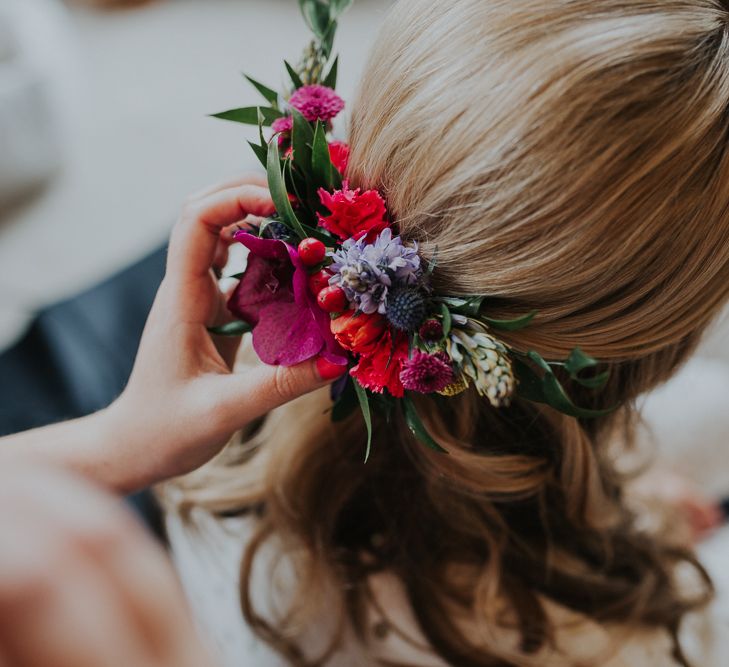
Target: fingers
<point x="195" y="237"/>
<point x="246" y="178"/>
<point x="81" y="585"/>
<point x="260" y="389"/>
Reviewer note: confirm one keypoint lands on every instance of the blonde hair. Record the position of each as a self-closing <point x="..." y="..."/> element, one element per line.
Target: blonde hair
<point x="566" y="156"/>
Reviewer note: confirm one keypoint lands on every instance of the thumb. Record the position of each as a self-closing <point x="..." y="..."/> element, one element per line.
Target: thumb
<point x="263" y="388"/>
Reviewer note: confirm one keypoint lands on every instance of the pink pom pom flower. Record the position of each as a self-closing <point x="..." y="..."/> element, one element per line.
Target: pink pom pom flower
<point x="426" y="373"/>
<point x="316" y="102"/>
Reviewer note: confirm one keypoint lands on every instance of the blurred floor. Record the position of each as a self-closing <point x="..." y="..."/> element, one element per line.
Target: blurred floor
<point x="137" y="137"/>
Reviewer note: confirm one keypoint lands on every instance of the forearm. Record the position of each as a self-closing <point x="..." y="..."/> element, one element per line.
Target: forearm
<point x="92" y="446"/>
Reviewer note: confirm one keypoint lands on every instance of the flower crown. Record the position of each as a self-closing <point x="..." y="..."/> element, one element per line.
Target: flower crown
<point x="329" y="275"/>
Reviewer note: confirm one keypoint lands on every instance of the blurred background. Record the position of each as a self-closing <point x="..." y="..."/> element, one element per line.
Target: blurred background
<point x="104" y="127"/>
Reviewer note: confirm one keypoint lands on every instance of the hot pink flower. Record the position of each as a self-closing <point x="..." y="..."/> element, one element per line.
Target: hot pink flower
<point x="316" y="102"/>
<point x="283" y="124"/>
<point x="353" y="213"/>
<point x="427" y="373"/>
<point x="273" y="296"/>
<point x="339" y="154"/>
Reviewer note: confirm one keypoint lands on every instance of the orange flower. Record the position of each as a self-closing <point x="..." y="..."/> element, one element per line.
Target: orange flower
<point x="361" y="333"/>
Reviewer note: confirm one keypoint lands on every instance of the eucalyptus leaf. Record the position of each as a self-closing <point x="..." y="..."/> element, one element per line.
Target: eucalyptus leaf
<point x="416" y="426"/>
<point x="268" y="93"/>
<point x="237" y="328"/>
<point x="447" y="320"/>
<point x="364" y="404"/>
<point x="249" y="115"/>
<point x="515" y="324"/>
<point x="279" y="194"/>
<point x="260" y="151"/>
<point x="330" y="80"/>
<point x="548" y="389"/>
<point x="302" y="137"/>
<point x="327" y="39"/>
<point x="321" y="163"/>
<point x="295" y="78"/>
<point x="338" y="6"/>
<point x="557" y="398"/>
<point x="529" y="382"/>
<point x="577" y="362"/>
<point x="316" y="15"/>
<point x="432" y="263"/>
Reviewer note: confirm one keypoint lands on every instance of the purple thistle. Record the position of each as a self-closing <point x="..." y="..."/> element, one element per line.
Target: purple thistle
<point x="427" y="373"/>
<point x="367" y="271"/>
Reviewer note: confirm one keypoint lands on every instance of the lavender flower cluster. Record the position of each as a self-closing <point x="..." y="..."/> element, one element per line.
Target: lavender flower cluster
<point x="367" y="272"/>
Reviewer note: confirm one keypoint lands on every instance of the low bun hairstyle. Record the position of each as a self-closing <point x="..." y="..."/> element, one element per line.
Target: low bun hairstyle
<point x="563" y="156"/>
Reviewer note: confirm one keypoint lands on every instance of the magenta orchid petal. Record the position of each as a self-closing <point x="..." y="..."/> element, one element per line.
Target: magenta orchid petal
<point x="273" y="296"/>
<point x="285" y="335"/>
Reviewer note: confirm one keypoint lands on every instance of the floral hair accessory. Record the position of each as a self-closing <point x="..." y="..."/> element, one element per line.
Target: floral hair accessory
<point x="328" y="275"/>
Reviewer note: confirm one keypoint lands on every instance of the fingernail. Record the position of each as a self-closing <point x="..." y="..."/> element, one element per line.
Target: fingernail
<point x="329" y="371"/>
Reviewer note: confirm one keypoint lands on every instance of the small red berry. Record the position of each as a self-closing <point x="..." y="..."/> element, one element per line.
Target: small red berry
<point x="312" y="251"/>
<point x="319" y="281"/>
<point x="332" y="299"/>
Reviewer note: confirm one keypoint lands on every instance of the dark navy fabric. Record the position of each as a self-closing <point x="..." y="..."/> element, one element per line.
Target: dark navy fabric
<point x="77" y="355"/>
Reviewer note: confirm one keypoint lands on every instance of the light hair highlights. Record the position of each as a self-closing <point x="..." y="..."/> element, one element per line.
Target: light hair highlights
<point x="567" y="156"/>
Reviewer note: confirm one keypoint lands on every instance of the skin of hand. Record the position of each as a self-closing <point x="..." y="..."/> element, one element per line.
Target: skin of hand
<point x="183" y="401"/>
<point x="81" y="584"/>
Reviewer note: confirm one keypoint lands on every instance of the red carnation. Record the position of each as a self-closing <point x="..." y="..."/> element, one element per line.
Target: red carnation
<point x="339" y="154"/>
<point x="359" y="333"/>
<point x="353" y="213"/>
<point x="381" y="369"/>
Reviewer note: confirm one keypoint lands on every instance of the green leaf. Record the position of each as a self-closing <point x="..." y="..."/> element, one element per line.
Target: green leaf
<point x="268" y="93"/>
<point x="279" y="194"/>
<point x="548" y="388"/>
<point x="249" y="115"/>
<point x="529" y="383"/>
<point x="346" y="403"/>
<point x="330" y="80"/>
<point x="237" y="328"/>
<point x="321" y="163"/>
<point x="295" y="78"/>
<point x="577" y="362"/>
<point x="302" y="136"/>
<point x="316" y="15"/>
<point x="337" y="7"/>
<point x="364" y="404"/>
<point x="558" y="399"/>
<point x="260" y="151"/>
<point x="327" y="39"/>
<point x="447" y="320"/>
<point x="515" y="324"/>
<point x="432" y="263"/>
<point x="412" y="418"/>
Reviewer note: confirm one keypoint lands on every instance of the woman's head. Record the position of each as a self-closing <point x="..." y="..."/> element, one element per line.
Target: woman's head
<point x="568" y="157"/>
<point x="564" y="156"/>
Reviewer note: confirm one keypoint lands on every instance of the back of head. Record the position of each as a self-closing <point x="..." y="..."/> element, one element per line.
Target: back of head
<point x="563" y="156"/>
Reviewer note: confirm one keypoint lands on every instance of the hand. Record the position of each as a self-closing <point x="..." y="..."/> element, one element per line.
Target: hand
<point x="81" y="584"/>
<point x="183" y="401"/>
